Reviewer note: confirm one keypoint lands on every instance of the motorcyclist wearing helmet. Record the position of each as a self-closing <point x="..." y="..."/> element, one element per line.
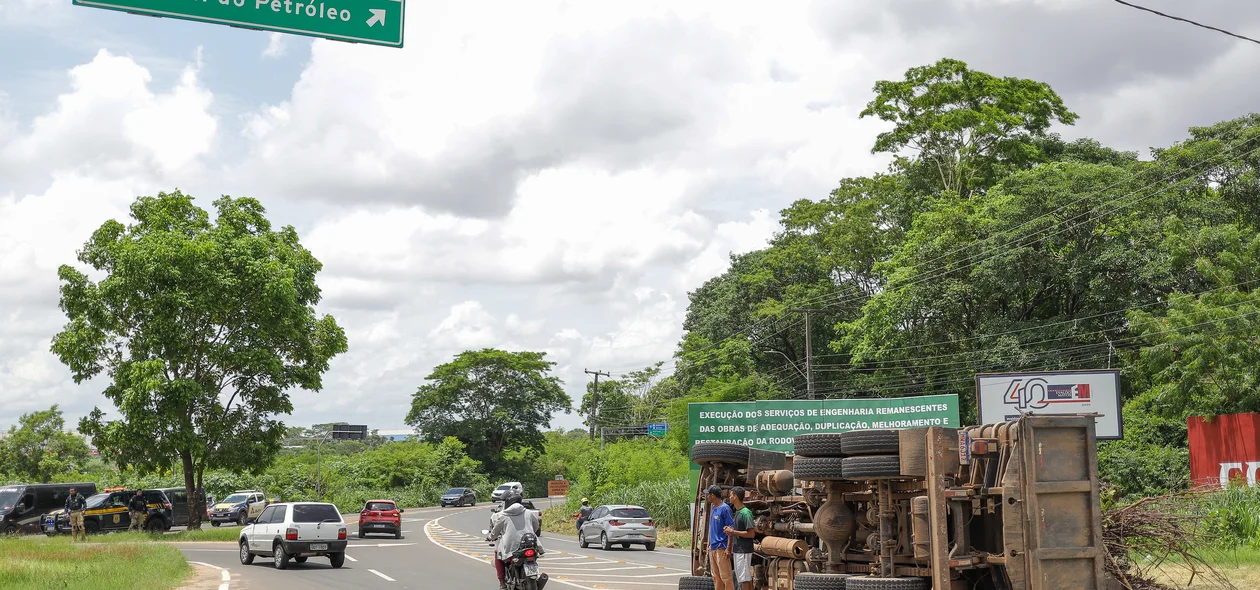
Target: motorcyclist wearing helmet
<point x="506" y="530"/>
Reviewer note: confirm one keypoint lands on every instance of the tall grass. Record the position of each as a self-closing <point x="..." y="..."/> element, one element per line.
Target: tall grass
<point x="39" y="564"/>
<point x="668" y="501"/>
<point x="1233" y="517"/>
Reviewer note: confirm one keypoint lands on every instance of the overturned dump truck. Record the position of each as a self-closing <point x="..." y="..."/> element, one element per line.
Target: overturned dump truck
<point x="1011" y="506"/>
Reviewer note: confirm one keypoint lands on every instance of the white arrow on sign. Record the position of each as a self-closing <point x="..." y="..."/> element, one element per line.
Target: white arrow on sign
<point x="378" y="16"/>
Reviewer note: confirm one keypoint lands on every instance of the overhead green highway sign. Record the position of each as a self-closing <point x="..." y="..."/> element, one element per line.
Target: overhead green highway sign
<point x="374" y="22"/>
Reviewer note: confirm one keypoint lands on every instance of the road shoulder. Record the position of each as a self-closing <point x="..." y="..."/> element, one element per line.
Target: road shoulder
<point x="205" y="577"/>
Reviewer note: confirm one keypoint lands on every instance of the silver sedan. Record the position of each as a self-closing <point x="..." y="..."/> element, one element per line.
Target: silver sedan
<point x="619" y="524"/>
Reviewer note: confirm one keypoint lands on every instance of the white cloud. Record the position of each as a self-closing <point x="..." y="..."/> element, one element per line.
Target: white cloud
<point x="277" y="45"/>
<point x="468" y="327"/>
<point x="555" y="178"/>
<point x="111" y="125"/>
<point x="571" y="224"/>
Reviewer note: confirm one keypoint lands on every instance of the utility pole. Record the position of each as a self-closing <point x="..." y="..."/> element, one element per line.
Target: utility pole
<point x="595" y="399"/>
<point x="809" y="354"/>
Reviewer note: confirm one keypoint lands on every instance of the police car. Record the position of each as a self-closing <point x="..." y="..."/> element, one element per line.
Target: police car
<point x="108" y="511"/>
<point x="238" y="507"/>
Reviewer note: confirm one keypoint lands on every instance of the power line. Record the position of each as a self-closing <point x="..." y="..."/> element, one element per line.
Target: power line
<point x="709" y="353"/>
<point x="1186" y="20"/>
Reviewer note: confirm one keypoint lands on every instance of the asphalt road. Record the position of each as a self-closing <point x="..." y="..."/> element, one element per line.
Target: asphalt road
<point x="443" y="548"/>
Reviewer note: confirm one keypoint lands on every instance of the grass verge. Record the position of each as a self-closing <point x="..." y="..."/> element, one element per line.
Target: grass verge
<point x="44" y="564"/>
<point x="230" y="534"/>
<point x="1240" y="566"/>
<point x="558" y="520"/>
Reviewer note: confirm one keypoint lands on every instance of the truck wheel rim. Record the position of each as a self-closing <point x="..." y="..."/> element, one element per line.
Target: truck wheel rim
<point x="244" y="552"/>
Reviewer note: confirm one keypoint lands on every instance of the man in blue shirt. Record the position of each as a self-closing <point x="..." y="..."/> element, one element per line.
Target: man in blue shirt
<point x="719" y="542"/>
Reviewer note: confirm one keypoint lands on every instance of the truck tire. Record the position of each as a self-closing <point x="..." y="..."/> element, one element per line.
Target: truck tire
<point x="869" y="583"/>
<point x="871" y="442"/>
<point x="811" y="581"/>
<point x="695" y="583"/>
<point x="729" y="453"/>
<point x="872" y="467"/>
<point x="821" y="444"/>
<point x="818" y="468"/>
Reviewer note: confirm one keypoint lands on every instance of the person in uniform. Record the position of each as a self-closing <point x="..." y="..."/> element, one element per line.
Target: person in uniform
<point x="138" y="509"/>
<point x="75" y="505"/>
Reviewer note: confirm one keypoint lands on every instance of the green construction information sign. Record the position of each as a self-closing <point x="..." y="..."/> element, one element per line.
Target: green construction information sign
<point x="373" y="22"/>
<point x="772" y="424"/>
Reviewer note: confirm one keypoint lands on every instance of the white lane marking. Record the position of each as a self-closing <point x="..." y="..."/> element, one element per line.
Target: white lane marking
<point x="434" y="524"/>
<point x="223" y="574"/>
<point x="387" y="578"/>
<point x="351" y="558"/>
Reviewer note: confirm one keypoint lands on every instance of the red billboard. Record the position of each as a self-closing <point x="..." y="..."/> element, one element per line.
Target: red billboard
<point x="1224" y="448"/>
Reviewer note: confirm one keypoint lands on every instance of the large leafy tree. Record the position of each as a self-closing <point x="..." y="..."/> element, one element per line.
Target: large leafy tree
<point x="39" y="448"/>
<point x="202" y="327"/>
<point x="491" y="400"/>
<point x="968" y="128"/>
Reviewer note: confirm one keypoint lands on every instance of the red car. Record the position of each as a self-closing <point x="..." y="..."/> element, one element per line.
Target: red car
<point x="380" y="516"/>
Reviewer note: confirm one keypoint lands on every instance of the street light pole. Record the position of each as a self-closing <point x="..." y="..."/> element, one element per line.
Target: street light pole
<point x="319" y="488"/>
<point x="790" y="362"/>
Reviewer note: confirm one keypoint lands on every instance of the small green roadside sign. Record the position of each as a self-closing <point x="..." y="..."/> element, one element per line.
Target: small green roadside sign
<point x="373" y="22"/>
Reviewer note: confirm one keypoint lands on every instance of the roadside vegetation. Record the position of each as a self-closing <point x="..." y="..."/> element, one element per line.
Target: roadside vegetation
<point x="207" y="534"/>
<point x="990" y="244"/>
<point x="41" y="564"/>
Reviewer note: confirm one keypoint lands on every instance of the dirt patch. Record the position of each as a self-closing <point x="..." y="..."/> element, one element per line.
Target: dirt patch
<point x="204" y="578"/>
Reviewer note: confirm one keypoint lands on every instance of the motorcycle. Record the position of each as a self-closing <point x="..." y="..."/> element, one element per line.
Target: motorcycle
<point x="521" y="570"/>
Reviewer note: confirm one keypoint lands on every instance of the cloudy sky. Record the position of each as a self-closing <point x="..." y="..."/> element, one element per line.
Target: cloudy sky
<point x="549" y="175"/>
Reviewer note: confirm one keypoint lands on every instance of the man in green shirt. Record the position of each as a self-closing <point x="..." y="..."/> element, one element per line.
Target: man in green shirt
<point x="743" y="532"/>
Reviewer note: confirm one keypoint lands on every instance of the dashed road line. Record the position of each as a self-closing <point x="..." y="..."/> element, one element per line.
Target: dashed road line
<point x="572" y="569"/>
<point x="385" y="577"/>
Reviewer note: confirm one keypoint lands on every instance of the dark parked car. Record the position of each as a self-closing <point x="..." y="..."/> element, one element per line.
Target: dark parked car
<point x="458" y="497"/>
<point x="23" y="505"/>
<point x="168" y="507"/>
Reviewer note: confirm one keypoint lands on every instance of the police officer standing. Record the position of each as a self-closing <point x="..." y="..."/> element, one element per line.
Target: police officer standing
<point x="75" y="504"/>
<point x="138" y="511"/>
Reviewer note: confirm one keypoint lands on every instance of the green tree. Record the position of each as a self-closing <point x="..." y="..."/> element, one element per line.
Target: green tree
<point x="491" y="400"/>
<point x="1201" y="355"/>
<point x="38" y="448"/>
<point x="626" y="401"/>
<point x="201" y="328"/>
<point x="969" y="128"/>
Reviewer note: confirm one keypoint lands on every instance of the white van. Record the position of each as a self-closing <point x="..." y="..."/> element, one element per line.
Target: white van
<point x="515" y="486"/>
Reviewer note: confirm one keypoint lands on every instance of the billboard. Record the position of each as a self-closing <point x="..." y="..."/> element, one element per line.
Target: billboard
<point x="1001" y="397"/>
<point x="349" y="431"/>
<point x="1224" y="448"/>
<point x="772" y="424"/>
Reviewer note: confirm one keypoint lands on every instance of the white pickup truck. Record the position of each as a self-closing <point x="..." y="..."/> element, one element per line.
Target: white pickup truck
<point x="295" y="531"/>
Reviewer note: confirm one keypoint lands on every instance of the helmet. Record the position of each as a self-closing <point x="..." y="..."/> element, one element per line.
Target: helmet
<point x="584" y="500"/>
<point x="511" y="498"/>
